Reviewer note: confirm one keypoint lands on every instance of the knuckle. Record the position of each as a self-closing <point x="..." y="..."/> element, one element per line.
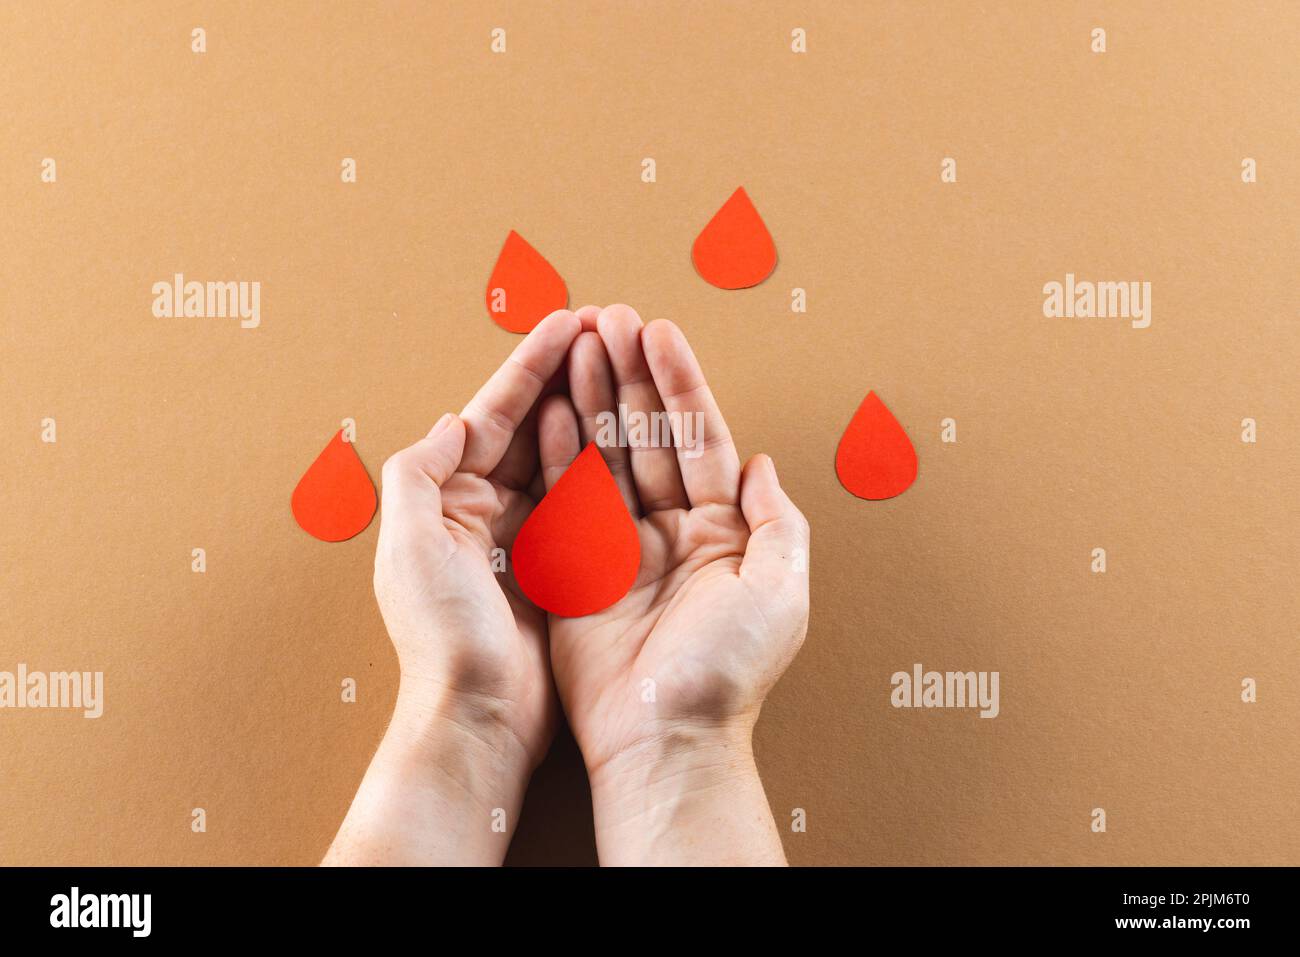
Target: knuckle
<point x="398" y="465"/>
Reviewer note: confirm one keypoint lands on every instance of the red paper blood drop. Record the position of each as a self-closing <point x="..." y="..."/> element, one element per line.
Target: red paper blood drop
<point x="524" y="288"/>
<point x="735" y="250"/>
<point x="578" y="552"/>
<point x="335" y="498"/>
<point x="875" y="458"/>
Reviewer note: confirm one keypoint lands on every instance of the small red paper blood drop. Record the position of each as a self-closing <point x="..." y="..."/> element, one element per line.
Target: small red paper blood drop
<point x="875" y="458"/>
<point x="524" y="288"/>
<point x="735" y="250"/>
<point x="578" y="552"/>
<point x="335" y="498"/>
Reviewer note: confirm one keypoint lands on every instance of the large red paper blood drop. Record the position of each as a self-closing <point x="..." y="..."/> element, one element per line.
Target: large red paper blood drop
<point x="524" y="288"/>
<point x="735" y="250"/>
<point x="335" y="498"/>
<point x="875" y="458"/>
<point x="578" y="552"/>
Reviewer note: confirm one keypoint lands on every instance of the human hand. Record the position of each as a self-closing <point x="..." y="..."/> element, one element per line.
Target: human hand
<point x="662" y="689"/>
<point x="476" y="706"/>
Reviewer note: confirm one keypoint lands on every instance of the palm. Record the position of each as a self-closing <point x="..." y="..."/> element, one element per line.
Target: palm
<point x="479" y="515"/>
<point x="665" y="649"/>
<point x="453" y="503"/>
<point x="508" y="648"/>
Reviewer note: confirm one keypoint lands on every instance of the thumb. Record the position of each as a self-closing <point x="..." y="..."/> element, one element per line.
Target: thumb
<point x="414" y="542"/>
<point x="413" y="477"/>
<point x="776" y="557"/>
<point x="439" y="453"/>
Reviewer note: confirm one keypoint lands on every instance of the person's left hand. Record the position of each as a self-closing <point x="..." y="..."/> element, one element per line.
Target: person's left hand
<point x="476" y="708"/>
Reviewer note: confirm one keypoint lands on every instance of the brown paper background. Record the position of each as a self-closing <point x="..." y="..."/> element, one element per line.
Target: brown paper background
<point x="1119" y="690"/>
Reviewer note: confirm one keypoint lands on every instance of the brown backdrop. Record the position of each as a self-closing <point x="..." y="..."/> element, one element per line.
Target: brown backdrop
<point x="1118" y="690"/>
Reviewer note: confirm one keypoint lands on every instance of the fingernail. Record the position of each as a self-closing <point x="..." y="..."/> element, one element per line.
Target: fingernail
<point x="771" y="465"/>
<point x="442" y="425"/>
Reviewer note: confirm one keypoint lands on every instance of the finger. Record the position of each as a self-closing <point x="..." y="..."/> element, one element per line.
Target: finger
<point x="591" y="387"/>
<point x="412" y="480"/>
<point x="776" y="558"/>
<point x="655" y="473"/>
<point x="537" y="487"/>
<point x="519" y="462"/>
<point x="437" y="456"/>
<point x="587" y="315"/>
<point x="518" y="466"/>
<point x="498" y="409"/>
<point x="557" y="432"/>
<point x="707" y="456"/>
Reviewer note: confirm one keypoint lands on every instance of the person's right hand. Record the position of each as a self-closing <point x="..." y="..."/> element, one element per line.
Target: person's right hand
<point x="662" y="689"/>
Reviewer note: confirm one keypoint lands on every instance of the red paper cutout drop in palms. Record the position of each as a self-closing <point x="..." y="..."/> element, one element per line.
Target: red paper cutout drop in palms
<point x="524" y="288"/>
<point x="334" y="499"/>
<point x="875" y="458"/>
<point x="578" y="552"/>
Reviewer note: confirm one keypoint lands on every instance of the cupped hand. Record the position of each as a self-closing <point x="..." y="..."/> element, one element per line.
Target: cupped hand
<point x="678" y="669"/>
<point x="469" y="645"/>
<point x="476" y="706"/>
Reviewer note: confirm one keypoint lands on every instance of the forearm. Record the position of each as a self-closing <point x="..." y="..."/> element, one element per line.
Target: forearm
<point x="686" y="798"/>
<point x="444" y="788"/>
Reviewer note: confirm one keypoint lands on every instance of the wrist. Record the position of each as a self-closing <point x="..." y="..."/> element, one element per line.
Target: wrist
<point x="437" y="729"/>
<point x="687" y="794"/>
<point x="445" y="786"/>
<point x="460" y="749"/>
